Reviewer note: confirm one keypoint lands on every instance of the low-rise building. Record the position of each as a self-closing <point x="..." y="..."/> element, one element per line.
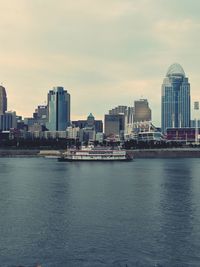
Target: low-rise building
<point x="185" y="135"/>
<point x="55" y="134"/>
<point x="87" y="134"/>
<point x="99" y="137"/>
<point x="73" y="132"/>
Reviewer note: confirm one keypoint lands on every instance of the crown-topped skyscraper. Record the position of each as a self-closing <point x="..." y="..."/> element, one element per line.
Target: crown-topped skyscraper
<point x="175" y="99"/>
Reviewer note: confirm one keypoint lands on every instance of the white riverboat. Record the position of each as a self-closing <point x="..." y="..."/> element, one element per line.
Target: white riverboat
<point x="95" y="154"/>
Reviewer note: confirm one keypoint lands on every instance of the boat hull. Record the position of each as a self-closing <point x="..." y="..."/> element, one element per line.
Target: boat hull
<point x="93" y="160"/>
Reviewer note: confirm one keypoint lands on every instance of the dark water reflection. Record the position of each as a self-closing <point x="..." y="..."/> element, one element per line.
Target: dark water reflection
<point x="141" y="213"/>
<point x="179" y="210"/>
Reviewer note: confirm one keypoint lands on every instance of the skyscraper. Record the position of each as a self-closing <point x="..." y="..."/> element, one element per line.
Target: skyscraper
<point x="175" y="99"/>
<point x="118" y="110"/>
<point x="58" y="109"/>
<point x="142" y="112"/>
<point x="3" y="100"/>
<point x="114" y="124"/>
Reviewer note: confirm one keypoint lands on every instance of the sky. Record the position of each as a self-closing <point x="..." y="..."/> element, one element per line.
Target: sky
<point x="105" y="53"/>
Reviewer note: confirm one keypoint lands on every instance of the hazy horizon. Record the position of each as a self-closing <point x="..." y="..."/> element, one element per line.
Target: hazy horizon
<point x="105" y="53"/>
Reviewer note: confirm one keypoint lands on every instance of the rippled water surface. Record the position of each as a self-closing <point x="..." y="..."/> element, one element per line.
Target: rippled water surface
<point x="140" y="213"/>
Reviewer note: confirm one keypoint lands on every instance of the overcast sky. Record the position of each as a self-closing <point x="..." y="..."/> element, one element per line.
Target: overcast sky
<point x="104" y="52"/>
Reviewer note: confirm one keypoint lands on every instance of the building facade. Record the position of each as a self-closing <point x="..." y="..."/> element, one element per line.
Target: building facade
<point x="175" y="100"/>
<point x="8" y="121"/>
<point x="142" y="112"/>
<point x="118" y="110"/>
<point x="3" y="100"/>
<point x="114" y="124"/>
<point x="73" y="132"/>
<point x="185" y="135"/>
<point x="90" y="122"/>
<point x="58" y="109"/>
<point x="193" y="123"/>
<point x="41" y="113"/>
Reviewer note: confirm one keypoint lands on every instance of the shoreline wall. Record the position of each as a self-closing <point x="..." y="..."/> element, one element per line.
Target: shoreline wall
<point x="138" y="153"/>
<point x="19" y="152"/>
<point x="165" y="153"/>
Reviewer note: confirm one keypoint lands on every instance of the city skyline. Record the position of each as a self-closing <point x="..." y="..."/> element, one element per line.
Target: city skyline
<point x="103" y="56"/>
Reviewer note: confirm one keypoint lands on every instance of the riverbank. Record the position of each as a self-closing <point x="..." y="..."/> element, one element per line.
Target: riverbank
<point x="28" y="153"/>
<point x="166" y="153"/>
<point x="19" y="152"/>
<point x="138" y="153"/>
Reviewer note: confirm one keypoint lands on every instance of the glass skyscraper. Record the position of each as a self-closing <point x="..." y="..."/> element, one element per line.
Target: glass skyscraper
<point x="175" y="99"/>
<point x="58" y="109"/>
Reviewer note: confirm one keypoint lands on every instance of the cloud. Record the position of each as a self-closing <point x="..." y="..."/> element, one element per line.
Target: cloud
<point x="105" y="53"/>
<point x="177" y="33"/>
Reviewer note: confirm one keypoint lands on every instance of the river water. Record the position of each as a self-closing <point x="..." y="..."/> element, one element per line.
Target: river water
<point x="140" y="213"/>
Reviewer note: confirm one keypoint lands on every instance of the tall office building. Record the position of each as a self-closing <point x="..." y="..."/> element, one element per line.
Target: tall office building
<point x="118" y="110"/>
<point x="58" y="109"/>
<point x="114" y="124"/>
<point x="142" y="112"/>
<point x="3" y="100"/>
<point x="118" y="119"/>
<point x="175" y="99"/>
<point x="130" y="115"/>
<point x="8" y="120"/>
